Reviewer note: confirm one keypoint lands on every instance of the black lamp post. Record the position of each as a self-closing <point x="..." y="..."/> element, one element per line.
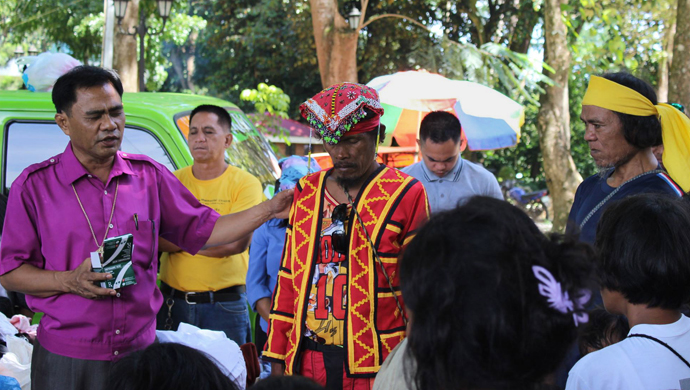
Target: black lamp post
<point x="164" y="7"/>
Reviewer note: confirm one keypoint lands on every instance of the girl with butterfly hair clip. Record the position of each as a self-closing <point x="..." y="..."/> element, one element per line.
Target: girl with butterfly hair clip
<point x="494" y="303"/>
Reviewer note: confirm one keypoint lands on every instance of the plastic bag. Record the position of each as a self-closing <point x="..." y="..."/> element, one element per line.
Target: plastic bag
<point x="214" y="343"/>
<point x="16" y="363"/>
<point x="43" y="70"/>
<point x="6" y="328"/>
<point x="9" y="383"/>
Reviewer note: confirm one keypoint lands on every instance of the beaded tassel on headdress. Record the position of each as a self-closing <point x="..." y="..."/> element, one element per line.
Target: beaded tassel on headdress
<point x="311" y="132"/>
<point x="378" y="139"/>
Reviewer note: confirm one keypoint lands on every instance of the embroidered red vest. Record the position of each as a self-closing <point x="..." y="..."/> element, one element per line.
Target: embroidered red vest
<point x="392" y="205"/>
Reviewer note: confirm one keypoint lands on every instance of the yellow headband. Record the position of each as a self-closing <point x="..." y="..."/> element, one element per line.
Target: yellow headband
<point x="675" y="126"/>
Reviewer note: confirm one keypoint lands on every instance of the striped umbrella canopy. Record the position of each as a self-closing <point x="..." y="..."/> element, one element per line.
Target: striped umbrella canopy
<point x="489" y="119"/>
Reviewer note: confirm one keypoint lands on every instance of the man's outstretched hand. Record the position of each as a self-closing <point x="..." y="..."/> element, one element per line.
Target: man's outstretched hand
<point x="280" y="204"/>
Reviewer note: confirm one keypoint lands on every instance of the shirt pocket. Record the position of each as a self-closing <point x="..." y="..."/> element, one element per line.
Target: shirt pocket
<point x="145" y="241"/>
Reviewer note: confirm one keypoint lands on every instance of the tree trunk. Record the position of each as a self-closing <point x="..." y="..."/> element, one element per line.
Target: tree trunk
<point x="679" y="87"/>
<point x="553" y="119"/>
<point x="176" y="60"/>
<point x="477" y="23"/>
<point x="662" y="85"/>
<point x="125" y="49"/>
<point x="523" y="27"/>
<point x="191" y="58"/>
<point x="190" y="71"/>
<point x="336" y="43"/>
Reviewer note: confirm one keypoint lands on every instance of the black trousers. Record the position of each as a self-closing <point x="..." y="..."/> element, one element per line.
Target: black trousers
<point x="333" y="362"/>
<point x="50" y="371"/>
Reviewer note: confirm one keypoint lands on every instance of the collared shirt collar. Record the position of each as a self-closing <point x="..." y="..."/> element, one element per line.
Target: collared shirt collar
<point x="72" y="169"/>
<point x="453" y="175"/>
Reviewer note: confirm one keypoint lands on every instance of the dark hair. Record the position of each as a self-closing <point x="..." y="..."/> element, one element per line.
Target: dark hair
<point x="224" y="119"/>
<point x="602" y="330"/>
<point x="639" y="131"/>
<point x="644" y="247"/>
<point x="82" y="76"/>
<point x="478" y="318"/>
<point x="287" y="382"/>
<point x="381" y="134"/>
<point x="439" y="127"/>
<point x="168" y="366"/>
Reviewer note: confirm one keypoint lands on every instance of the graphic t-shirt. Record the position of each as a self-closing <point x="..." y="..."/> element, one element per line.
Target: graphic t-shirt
<point x="328" y="290"/>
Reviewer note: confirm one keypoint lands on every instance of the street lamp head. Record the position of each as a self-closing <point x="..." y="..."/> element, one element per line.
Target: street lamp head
<point x="164" y="7"/>
<point x="353" y="18"/>
<point x="19" y="51"/>
<point x="120" y="9"/>
<point x="33" y="50"/>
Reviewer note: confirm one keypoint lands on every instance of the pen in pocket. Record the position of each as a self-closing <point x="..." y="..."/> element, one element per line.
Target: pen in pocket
<point x="136" y="221"/>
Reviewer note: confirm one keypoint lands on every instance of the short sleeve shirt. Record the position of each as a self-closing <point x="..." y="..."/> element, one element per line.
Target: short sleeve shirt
<point x="594" y="190"/>
<point x="637" y="363"/>
<point x="265" y="254"/>
<point x="47" y="229"/>
<point x="233" y="191"/>
<point x="464" y="181"/>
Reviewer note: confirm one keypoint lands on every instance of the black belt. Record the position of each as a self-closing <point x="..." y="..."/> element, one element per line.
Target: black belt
<point x="192" y="298"/>
<point x="314" y="346"/>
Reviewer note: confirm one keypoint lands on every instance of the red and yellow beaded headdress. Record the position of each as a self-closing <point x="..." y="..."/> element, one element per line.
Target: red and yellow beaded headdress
<point x="339" y="109"/>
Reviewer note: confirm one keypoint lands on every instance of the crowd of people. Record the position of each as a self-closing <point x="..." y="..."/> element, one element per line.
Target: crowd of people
<point x="363" y="276"/>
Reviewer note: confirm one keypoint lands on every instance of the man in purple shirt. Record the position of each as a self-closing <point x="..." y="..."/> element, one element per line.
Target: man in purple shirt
<point x="63" y="209"/>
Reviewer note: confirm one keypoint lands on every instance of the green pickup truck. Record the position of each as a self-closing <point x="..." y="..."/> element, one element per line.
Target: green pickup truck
<point x="157" y="126"/>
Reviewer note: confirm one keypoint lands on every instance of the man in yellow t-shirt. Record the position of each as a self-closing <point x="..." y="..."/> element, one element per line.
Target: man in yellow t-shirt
<point x="208" y="289"/>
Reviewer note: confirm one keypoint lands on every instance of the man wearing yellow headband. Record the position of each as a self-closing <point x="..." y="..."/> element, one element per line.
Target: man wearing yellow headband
<point x="337" y="310"/>
<point x="623" y="122"/>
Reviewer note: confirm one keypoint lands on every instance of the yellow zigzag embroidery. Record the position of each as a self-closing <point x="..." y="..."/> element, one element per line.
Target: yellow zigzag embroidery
<point x="385" y="197"/>
<point x="368" y="326"/>
<point x="309" y="214"/>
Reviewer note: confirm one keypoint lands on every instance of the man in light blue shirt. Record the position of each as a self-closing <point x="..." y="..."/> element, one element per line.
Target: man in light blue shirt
<point x="448" y="179"/>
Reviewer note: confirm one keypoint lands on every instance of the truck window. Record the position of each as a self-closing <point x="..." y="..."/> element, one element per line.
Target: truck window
<point x="137" y="141"/>
<point x="32" y="142"/>
<point x="251" y="151"/>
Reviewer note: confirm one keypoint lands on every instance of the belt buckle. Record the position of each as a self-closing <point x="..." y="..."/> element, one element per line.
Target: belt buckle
<point x="186" y="298"/>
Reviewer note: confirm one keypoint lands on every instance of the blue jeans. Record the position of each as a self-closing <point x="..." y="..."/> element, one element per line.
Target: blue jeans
<point x="231" y="317"/>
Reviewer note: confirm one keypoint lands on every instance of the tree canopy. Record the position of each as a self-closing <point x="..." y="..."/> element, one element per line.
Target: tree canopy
<point x="222" y="47"/>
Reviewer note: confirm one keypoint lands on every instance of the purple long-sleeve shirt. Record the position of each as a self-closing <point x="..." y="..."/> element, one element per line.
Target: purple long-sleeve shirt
<point x="45" y="227"/>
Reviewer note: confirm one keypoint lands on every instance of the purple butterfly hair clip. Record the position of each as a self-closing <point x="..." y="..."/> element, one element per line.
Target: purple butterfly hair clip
<point x="558" y="299"/>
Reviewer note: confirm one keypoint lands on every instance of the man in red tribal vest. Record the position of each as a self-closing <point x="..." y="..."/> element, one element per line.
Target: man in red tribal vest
<point x="336" y="314"/>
